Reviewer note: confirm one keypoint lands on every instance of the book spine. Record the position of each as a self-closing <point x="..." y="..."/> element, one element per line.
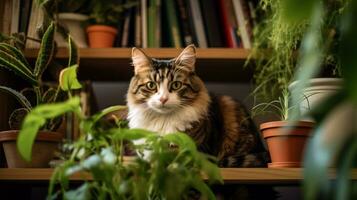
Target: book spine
<point x="198" y="23"/>
<point x="15" y="19"/>
<point x="36" y="21"/>
<point x="243" y="23"/>
<point x="173" y="24"/>
<point x="211" y="21"/>
<point x="151" y="23"/>
<point x="185" y="24"/>
<point x="138" y="27"/>
<point x="158" y="24"/>
<point x="144" y="23"/>
<point x="24" y="15"/>
<point x="230" y="39"/>
<point x="6" y="20"/>
<point x="125" y="35"/>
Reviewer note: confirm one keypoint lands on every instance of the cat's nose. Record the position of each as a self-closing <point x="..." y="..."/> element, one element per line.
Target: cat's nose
<point x="163" y="100"/>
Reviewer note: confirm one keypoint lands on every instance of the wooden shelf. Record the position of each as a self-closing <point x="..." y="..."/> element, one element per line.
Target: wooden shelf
<point x="113" y="64"/>
<point x="230" y="175"/>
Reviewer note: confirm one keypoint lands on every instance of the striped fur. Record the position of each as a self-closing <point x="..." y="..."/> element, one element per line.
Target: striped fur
<point x="167" y="96"/>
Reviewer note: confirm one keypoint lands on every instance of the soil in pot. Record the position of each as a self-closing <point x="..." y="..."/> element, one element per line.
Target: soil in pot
<point x="286" y="143"/>
<point x="101" y="36"/>
<point x="43" y="150"/>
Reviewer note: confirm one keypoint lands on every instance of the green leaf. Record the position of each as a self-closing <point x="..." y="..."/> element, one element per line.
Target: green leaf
<point x="46" y="51"/>
<point x="15" y="52"/>
<point x="68" y="79"/>
<point x="309" y="61"/>
<point x="296" y="11"/>
<point x="130" y="134"/>
<point x="182" y="140"/>
<point x="348" y="157"/>
<point x="37" y="118"/>
<point x="49" y="95"/>
<point x="211" y="170"/>
<point x="348" y="49"/>
<point x="21" y="98"/>
<point x="81" y="193"/>
<point x="10" y="62"/>
<point x="73" y="52"/>
<point x="106" y="111"/>
<point x="201" y="186"/>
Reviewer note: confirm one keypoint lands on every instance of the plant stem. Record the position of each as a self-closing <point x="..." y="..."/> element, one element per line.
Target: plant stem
<point x="38" y="94"/>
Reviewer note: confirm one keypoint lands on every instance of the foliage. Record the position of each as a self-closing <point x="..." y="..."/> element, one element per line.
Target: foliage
<point x="166" y="173"/>
<point x="109" y="12"/>
<point x="275" y="68"/>
<point x="329" y="149"/>
<point x="11" y="58"/>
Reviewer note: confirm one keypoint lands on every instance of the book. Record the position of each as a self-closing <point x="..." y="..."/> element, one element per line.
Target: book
<point x="211" y="19"/>
<point x="172" y="24"/>
<point x="184" y="22"/>
<point x="138" y="27"/>
<point x="15" y="18"/>
<point x="196" y="17"/>
<point x="154" y="11"/>
<point x="36" y="21"/>
<point x="25" y="6"/>
<point x="245" y="28"/>
<point x="144" y="23"/>
<point x="125" y="31"/>
<point x="229" y="23"/>
<point x="6" y="17"/>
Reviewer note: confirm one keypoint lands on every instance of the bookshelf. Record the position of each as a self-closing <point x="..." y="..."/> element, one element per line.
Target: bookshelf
<point x="113" y="64"/>
<point x="230" y="175"/>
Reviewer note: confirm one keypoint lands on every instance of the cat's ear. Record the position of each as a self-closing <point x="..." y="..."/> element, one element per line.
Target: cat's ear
<point x="187" y="58"/>
<point x="140" y="60"/>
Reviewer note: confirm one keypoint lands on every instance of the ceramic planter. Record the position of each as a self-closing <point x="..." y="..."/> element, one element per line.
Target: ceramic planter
<point x="43" y="149"/>
<point x="286" y="143"/>
<point x="101" y="36"/>
<point x="318" y="90"/>
<point x="73" y="23"/>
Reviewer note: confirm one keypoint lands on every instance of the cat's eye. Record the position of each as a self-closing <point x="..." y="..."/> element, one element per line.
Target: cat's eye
<point x="176" y="85"/>
<point x="151" y="85"/>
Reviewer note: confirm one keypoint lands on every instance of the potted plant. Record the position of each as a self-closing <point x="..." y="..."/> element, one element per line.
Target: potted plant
<point x="70" y="16"/>
<point x="285" y="139"/>
<point x="103" y="20"/>
<point x="13" y="59"/>
<point x="168" y="173"/>
<point x="329" y="148"/>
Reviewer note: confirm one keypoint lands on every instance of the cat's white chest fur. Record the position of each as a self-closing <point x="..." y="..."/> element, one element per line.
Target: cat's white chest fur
<point x="180" y="120"/>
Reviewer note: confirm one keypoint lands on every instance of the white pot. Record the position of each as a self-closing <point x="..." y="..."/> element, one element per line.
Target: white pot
<point x="73" y="22"/>
<point x="319" y="89"/>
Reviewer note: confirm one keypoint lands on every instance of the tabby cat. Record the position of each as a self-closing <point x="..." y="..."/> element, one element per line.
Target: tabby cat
<point x="167" y="96"/>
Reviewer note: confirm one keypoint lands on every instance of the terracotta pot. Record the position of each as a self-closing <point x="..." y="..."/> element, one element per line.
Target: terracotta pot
<point x="286" y="143"/>
<point x="101" y="36"/>
<point x="43" y="149"/>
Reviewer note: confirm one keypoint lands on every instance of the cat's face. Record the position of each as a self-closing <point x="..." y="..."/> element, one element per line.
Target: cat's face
<point x="164" y="85"/>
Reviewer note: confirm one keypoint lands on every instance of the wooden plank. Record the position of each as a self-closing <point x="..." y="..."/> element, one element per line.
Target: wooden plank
<point x="125" y="53"/>
<point x="230" y="175"/>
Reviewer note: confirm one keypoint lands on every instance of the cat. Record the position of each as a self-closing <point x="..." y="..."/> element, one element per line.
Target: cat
<point x="167" y="96"/>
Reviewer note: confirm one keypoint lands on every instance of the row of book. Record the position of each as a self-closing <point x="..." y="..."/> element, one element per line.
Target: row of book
<point x="158" y="23"/>
<point x="176" y="23"/>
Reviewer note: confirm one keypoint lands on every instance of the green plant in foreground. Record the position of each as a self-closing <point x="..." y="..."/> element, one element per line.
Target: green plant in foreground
<point x="327" y="149"/>
<point x="166" y="174"/>
<point x="14" y="60"/>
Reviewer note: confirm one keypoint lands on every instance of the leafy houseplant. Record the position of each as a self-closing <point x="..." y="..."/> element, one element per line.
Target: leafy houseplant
<point x="285" y="140"/>
<point x="326" y="148"/>
<point x="13" y="59"/>
<point x="104" y="19"/>
<point x="275" y="71"/>
<point x="167" y="173"/>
